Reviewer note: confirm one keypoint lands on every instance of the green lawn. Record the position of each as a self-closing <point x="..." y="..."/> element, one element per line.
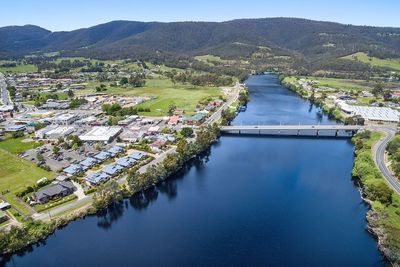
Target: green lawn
<point x="20" y="68"/>
<point x="344" y="84"/>
<point x="16" y="145"/>
<point x="165" y="93"/>
<point x="377" y="62"/>
<point x="61" y="96"/>
<point x="16" y="174"/>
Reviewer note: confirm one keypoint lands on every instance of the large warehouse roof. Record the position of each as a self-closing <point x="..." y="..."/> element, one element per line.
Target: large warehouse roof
<point x="101" y="133"/>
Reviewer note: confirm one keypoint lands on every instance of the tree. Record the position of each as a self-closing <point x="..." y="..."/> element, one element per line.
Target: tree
<point x="39" y="157"/>
<point x="378" y="90"/>
<point x="183" y="149"/>
<point x="70" y="93"/>
<point x="59" y="86"/>
<point x="56" y="149"/>
<point x="171" y="163"/>
<point x="137" y="80"/>
<point x="187" y="132"/>
<point x="171" y="108"/>
<point x="123" y="81"/>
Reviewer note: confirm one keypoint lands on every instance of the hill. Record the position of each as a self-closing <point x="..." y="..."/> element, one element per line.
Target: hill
<point x="304" y="40"/>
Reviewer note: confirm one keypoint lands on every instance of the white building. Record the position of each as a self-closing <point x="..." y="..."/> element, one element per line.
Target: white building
<point x="382" y="114"/>
<point x="65" y="119"/>
<point x="51" y="132"/>
<point x="102" y="134"/>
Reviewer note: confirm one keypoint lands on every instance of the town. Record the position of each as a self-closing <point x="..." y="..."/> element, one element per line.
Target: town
<point x="75" y="132"/>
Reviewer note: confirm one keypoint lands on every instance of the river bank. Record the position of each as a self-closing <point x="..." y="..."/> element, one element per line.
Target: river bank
<point x="319" y="100"/>
<point x="383" y="219"/>
<point x="383" y="216"/>
<point x="237" y="206"/>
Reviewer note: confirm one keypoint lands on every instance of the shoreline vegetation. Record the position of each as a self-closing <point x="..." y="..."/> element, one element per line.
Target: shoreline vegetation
<point x="30" y="232"/>
<point x="384" y="215"/>
<point x="332" y="112"/>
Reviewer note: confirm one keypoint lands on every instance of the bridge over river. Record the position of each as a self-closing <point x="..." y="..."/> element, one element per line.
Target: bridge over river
<point x="294" y="130"/>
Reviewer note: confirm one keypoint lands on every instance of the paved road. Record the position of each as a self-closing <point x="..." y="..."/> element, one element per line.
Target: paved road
<point x="217" y="114"/>
<point x="379" y="158"/>
<point x="58" y="210"/>
<point x="4" y="94"/>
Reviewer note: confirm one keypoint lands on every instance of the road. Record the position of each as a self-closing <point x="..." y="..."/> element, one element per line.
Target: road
<point x="379" y="158"/>
<point x="5" y="96"/>
<point x="291" y="127"/>
<point x="217" y="114"/>
<point x="60" y="209"/>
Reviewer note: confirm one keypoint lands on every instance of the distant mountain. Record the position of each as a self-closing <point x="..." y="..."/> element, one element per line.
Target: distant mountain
<point x="313" y="40"/>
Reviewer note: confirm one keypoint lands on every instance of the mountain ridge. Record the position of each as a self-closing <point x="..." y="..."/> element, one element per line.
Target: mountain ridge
<point x="311" y="39"/>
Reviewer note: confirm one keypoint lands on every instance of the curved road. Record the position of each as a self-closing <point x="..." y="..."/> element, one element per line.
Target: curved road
<point x="379" y="158"/>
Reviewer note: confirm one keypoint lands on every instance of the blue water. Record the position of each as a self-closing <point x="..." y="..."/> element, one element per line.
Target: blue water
<point x="250" y="201"/>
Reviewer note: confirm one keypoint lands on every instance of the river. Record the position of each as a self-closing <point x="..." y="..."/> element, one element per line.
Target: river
<point x="250" y="201"/>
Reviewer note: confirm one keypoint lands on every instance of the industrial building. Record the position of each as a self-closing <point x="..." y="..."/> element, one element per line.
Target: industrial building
<point x="101" y="134"/>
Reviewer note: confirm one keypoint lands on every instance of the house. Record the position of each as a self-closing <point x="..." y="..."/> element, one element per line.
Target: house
<point x="4" y="205"/>
<point x="126" y="162"/>
<point x="137" y="155"/>
<point x="153" y="130"/>
<point x="396" y="94"/>
<point x="158" y="145"/>
<point x="54" y="191"/>
<point x="196" y="119"/>
<point x="15" y="128"/>
<point x="3" y="216"/>
<point x="179" y="112"/>
<point x="216" y="103"/>
<point x="115" y="150"/>
<point x="102" y="156"/>
<point x="88" y="162"/>
<point x="173" y="120"/>
<point x="73" y="169"/>
<point x="96" y="178"/>
<point x="112" y="169"/>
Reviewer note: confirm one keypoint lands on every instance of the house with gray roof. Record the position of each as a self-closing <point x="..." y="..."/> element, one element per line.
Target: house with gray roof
<point x="88" y="162"/>
<point x="96" y="178"/>
<point x="115" y="150"/>
<point x="137" y="155"/>
<point x="126" y="162"/>
<point x="112" y="169"/>
<point x="54" y="191"/>
<point x="102" y="156"/>
<point x="73" y="169"/>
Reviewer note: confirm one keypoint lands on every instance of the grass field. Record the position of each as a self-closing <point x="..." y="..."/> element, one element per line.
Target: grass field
<point x="17" y="146"/>
<point x="165" y="93"/>
<point x="16" y="174"/>
<point x="61" y="96"/>
<point x="20" y="68"/>
<point x="377" y="62"/>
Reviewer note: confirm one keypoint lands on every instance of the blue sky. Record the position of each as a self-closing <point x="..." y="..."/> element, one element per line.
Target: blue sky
<point x="59" y="15"/>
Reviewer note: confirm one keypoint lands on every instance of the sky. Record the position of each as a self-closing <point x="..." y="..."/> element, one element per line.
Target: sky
<point x="65" y="15"/>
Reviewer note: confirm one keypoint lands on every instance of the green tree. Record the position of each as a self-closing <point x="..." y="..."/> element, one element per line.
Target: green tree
<point x="55" y="149"/>
<point x="187" y="132"/>
<point x="378" y="90"/>
<point x="123" y="81"/>
<point x="70" y="93"/>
